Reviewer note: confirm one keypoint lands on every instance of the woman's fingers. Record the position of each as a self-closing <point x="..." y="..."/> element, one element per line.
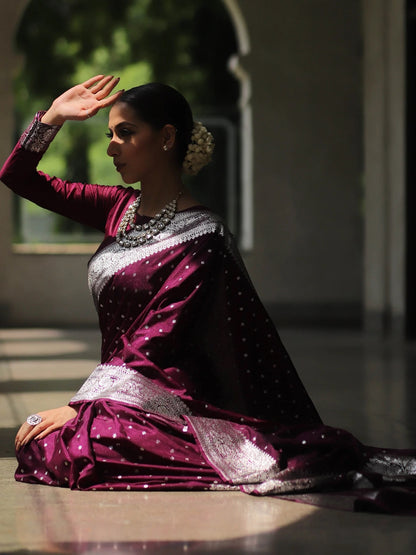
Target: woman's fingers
<point x="28" y="432"/>
<point x="52" y="419"/>
<point x="99" y="86"/>
<point x="105" y="102"/>
<point x="101" y="92"/>
<point x="92" y="80"/>
<point x="107" y="88"/>
<point x="51" y="428"/>
<point x="104" y="99"/>
<point x="21" y="434"/>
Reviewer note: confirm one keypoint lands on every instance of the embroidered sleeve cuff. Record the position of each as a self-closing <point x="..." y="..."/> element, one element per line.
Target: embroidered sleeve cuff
<point x="38" y="136"/>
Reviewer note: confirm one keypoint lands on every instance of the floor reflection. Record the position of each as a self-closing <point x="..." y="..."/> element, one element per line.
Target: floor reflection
<point x="362" y="384"/>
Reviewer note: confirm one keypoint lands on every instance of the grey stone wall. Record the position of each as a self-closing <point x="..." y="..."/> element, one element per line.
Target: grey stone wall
<point x="306" y="70"/>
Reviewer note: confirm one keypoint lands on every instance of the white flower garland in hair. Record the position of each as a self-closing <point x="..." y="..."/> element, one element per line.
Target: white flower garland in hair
<point x="200" y="149"/>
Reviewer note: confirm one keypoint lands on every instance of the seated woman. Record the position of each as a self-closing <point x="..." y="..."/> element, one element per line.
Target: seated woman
<point x="194" y="390"/>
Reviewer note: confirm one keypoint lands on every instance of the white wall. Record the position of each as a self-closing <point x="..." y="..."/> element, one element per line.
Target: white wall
<point x="306" y="64"/>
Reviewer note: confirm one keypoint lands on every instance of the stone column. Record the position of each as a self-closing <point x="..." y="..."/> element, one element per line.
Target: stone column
<point x="384" y="140"/>
<point x="10" y="14"/>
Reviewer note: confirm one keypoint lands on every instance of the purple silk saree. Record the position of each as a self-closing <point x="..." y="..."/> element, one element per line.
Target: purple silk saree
<point x="194" y="389"/>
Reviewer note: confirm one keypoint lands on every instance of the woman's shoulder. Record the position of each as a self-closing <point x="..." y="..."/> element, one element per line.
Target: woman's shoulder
<point x="119" y="194"/>
<point x="199" y="225"/>
<point x="200" y="220"/>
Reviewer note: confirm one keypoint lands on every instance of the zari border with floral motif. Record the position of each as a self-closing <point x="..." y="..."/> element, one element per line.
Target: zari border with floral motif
<point x="125" y="385"/>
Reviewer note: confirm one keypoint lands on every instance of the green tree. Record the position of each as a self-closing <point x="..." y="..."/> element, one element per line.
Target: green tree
<point x="186" y="42"/>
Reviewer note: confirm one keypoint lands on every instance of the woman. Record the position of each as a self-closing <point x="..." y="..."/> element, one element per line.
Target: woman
<point x="194" y="389"/>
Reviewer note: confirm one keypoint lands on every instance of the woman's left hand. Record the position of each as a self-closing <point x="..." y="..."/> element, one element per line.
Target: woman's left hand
<point x="52" y="420"/>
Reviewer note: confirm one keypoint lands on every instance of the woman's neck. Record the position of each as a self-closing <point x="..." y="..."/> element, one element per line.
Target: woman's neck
<point x="155" y="196"/>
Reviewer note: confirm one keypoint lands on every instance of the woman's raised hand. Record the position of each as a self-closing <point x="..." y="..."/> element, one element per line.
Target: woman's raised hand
<point x="83" y="101"/>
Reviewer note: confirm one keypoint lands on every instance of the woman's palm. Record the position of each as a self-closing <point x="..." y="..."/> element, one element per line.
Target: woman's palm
<point x="85" y="100"/>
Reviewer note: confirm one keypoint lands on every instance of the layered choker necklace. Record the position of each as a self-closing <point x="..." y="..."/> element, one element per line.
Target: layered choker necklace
<point x="139" y="234"/>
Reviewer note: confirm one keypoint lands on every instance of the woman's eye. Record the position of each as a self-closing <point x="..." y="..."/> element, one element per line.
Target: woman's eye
<point x="123" y="132"/>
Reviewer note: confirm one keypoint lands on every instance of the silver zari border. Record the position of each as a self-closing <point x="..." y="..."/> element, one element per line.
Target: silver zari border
<point x="391" y="466"/>
<point x="238" y="459"/>
<point x="38" y="136"/>
<point x="113" y="258"/>
<point x="125" y="385"/>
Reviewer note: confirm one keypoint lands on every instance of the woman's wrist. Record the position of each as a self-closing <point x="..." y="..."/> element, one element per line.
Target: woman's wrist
<point x="38" y="135"/>
<point x="52" y="118"/>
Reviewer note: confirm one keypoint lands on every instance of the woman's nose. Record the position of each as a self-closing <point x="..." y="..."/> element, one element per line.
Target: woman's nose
<point x="113" y="148"/>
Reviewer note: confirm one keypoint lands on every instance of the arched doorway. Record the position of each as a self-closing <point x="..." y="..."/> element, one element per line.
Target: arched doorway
<point x="194" y="42"/>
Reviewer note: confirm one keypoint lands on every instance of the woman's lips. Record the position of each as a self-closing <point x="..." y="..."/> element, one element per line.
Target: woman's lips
<point x="119" y="166"/>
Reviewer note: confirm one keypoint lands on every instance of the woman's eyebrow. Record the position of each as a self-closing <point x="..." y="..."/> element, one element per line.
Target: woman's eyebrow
<point x="124" y="123"/>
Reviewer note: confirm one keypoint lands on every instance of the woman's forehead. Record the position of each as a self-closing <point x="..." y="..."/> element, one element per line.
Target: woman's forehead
<point x="122" y="112"/>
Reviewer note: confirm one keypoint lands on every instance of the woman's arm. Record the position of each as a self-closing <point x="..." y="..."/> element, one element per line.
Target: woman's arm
<point x="87" y="204"/>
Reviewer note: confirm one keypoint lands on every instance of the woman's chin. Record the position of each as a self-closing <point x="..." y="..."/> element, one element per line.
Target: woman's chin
<point x="128" y="180"/>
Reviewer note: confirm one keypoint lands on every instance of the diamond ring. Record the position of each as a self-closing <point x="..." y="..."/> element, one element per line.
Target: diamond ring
<point x="34" y="419"/>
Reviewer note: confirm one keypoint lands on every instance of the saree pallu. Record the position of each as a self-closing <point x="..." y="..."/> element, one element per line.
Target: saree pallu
<point x="196" y="391"/>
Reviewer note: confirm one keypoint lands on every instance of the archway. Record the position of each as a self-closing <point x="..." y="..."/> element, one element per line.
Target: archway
<point x="219" y="100"/>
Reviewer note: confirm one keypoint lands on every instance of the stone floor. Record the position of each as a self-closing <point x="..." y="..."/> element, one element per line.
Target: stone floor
<point x="362" y="384"/>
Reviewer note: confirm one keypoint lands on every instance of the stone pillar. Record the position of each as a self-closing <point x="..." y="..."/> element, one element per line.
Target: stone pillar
<point x="384" y="146"/>
<point x="10" y="14"/>
<point x="35" y="288"/>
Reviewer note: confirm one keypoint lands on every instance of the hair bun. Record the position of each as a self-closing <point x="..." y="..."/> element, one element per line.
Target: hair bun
<point x="200" y="149"/>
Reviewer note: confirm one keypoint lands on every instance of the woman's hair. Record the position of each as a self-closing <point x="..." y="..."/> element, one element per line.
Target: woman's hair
<point x="158" y="105"/>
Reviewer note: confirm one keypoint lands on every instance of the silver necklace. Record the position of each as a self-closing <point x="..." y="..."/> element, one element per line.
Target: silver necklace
<point x="139" y="234"/>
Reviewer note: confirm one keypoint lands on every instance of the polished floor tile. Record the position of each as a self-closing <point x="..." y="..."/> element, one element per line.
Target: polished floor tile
<point x="363" y="384"/>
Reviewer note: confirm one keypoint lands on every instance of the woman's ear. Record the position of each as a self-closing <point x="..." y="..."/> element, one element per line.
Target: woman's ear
<point x="168" y="136"/>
